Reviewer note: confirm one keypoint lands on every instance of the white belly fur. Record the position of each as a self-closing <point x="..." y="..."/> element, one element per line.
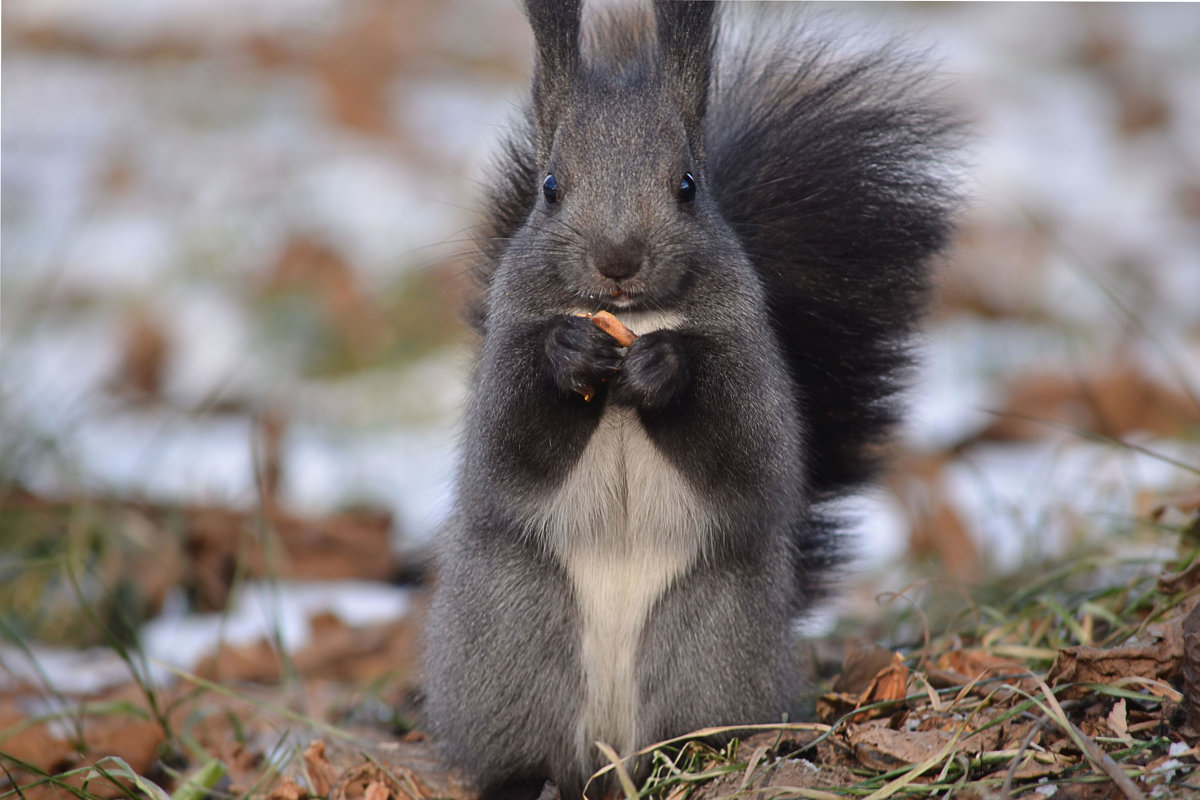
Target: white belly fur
<point x="625" y="524"/>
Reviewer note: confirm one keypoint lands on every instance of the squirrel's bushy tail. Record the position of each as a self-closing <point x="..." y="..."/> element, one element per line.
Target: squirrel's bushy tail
<point x="834" y="175"/>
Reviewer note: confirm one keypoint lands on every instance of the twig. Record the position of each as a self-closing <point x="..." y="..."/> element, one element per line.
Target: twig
<point x="1011" y="773"/>
<point x="1105" y="762"/>
<point x="1092" y="750"/>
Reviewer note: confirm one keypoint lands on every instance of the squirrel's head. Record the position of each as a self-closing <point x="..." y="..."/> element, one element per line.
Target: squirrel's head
<point x="622" y="217"/>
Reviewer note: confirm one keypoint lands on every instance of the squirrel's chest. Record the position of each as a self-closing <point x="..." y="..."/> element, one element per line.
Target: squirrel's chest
<point x="623" y="495"/>
<point x="625" y="524"/>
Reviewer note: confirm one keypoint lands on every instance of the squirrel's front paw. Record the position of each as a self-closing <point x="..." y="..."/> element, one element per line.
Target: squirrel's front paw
<point x="654" y="374"/>
<point x="580" y="356"/>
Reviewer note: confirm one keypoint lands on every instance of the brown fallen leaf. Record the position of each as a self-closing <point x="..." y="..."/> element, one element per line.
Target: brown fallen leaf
<point x="984" y="731"/>
<point x="376" y="791"/>
<point x="1040" y="764"/>
<point x="320" y="773"/>
<point x="1118" y="720"/>
<point x="1181" y="511"/>
<point x="973" y="664"/>
<point x="258" y="662"/>
<point x="49" y="747"/>
<point x="216" y="540"/>
<point x="1121" y="401"/>
<point x="287" y="789"/>
<point x="1156" y="654"/>
<point x="860" y="667"/>
<point x="889" y="684"/>
<point x="144" y="358"/>
<point x="881" y="748"/>
<point x="835" y="705"/>
<point x="37" y="745"/>
<point x="359" y="783"/>
<point x="868" y="675"/>
<point x="409" y="771"/>
<point x="937" y="529"/>
<point x="342" y="652"/>
<point x="355" y="61"/>
<point x="206" y="547"/>
<point x="1182" y="581"/>
<point x="783" y="778"/>
<point x="944" y="678"/>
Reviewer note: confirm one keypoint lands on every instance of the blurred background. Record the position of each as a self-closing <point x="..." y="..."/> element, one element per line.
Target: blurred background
<point x="231" y="367"/>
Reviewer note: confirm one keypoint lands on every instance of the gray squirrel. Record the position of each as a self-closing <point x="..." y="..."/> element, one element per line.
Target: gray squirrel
<point x="638" y="528"/>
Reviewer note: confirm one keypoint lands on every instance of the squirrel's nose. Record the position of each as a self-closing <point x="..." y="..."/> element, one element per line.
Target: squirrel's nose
<point x="619" y="260"/>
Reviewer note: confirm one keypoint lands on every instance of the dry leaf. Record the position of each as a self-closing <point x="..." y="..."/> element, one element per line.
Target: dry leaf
<point x="974" y="664"/>
<point x="881" y="748"/>
<point x="890" y="683"/>
<point x="936" y="528"/>
<point x="144" y="357"/>
<point x="860" y="667"/>
<point x="1041" y="764"/>
<point x="287" y="789"/>
<point x="835" y="705"/>
<point x="1117" y="720"/>
<point x="1115" y="403"/>
<point x="1155" y="655"/>
<point x="342" y="652"/>
<point x="370" y="782"/>
<point x="53" y="747"/>
<point x="320" y="773"/>
<point x="944" y="678"/>
<point x="869" y="675"/>
<point x="1182" y="581"/>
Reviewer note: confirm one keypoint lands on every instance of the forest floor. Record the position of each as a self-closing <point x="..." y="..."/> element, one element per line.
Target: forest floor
<point x="1079" y="679"/>
<point x="231" y="370"/>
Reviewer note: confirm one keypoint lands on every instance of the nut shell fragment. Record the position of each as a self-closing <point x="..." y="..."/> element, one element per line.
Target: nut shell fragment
<point x="613" y="327"/>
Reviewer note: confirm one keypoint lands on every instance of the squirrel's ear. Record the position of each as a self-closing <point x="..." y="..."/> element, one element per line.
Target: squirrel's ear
<point x="555" y="26"/>
<point x="686" y="31"/>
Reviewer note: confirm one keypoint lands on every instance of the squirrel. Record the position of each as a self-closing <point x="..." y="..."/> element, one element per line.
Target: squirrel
<point x="637" y="529"/>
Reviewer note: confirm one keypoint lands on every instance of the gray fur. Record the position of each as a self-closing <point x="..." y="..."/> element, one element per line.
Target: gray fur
<point x="628" y="568"/>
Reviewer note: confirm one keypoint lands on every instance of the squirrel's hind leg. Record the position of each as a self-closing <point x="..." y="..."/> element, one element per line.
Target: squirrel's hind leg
<point x="503" y="679"/>
<point x="718" y="650"/>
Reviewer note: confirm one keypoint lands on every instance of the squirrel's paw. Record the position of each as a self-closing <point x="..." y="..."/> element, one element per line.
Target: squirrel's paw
<point x="580" y="356"/>
<point x="654" y="374"/>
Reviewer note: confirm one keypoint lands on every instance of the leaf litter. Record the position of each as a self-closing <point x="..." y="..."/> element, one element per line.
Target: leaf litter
<point x="1080" y="682"/>
<point x="1086" y="683"/>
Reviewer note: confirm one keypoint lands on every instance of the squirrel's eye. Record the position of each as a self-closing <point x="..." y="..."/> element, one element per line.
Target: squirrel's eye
<point x="687" y="188"/>
<point x="550" y="189"/>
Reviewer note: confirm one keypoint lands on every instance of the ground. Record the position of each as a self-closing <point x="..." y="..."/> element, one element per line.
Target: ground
<point x="231" y="369"/>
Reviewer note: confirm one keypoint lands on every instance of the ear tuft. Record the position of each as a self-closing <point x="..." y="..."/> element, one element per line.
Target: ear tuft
<point x="686" y="33"/>
<point x="555" y="26"/>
